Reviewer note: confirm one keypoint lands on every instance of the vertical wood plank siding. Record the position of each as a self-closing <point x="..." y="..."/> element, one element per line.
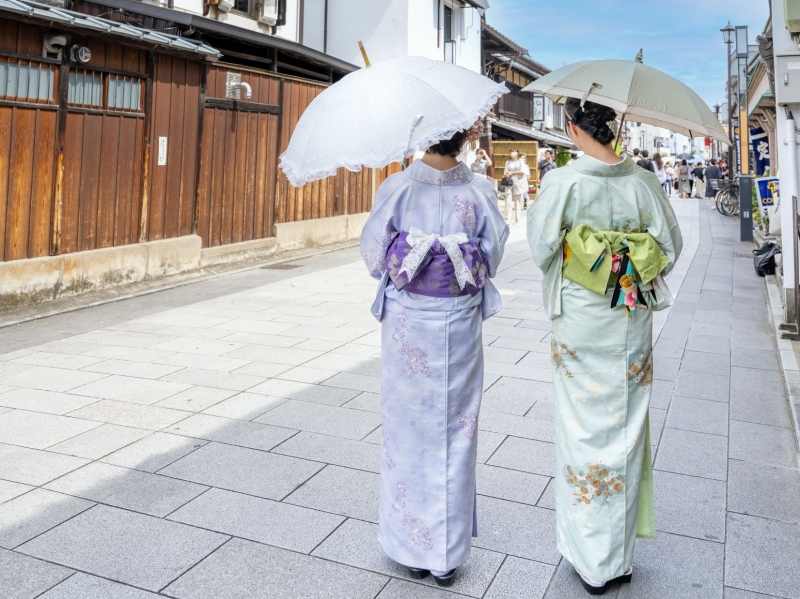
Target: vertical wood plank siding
<point x="80" y="178"/>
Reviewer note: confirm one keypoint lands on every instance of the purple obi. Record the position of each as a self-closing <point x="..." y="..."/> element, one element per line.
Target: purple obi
<point x="450" y="266"/>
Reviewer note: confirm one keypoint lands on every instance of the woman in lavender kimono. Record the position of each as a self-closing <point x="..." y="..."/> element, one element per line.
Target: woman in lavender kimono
<point x="433" y="238"/>
<point x="601" y="231"/>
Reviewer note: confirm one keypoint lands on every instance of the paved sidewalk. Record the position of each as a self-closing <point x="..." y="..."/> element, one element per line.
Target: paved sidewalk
<point x="220" y="441"/>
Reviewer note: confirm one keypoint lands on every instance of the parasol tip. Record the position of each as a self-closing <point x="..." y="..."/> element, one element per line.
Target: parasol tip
<point x="364" y="54"/>
<point x="640" y="56"/>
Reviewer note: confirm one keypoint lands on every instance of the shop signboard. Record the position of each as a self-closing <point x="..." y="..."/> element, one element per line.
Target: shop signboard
<point x="768" y="193"/>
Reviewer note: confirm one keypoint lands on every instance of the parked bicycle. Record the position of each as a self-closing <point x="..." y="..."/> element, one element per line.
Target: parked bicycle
<point x="727" y="197"/>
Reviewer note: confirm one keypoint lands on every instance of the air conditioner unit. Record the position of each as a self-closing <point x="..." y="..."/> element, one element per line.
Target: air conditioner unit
<point x="267" y="12"/>
<point x="791" y="14"/>
<point x="225" y="5"/>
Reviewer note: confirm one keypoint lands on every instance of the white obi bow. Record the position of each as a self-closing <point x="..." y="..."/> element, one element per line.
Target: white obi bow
<point x="421" y="243"/>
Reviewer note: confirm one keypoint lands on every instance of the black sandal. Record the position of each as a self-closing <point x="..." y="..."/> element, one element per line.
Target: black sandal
<point x="600" y="590"/>
<point x="417" y="573"/>
<point x="447" y="580"/>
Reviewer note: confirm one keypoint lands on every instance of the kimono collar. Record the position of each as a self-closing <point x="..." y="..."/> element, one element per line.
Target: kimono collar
<point x="591" y="166"/>
<point x="458" y="175"/>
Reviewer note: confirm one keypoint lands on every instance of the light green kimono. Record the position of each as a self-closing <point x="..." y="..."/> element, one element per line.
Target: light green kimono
<point x="603" y="364"/>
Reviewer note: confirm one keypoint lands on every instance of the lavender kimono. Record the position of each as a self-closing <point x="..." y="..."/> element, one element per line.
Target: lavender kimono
<point x="433" y="239"/>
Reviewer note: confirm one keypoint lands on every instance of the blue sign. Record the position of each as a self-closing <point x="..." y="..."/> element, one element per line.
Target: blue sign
<point x="768" y="192"/>
<point x="760" y="140"/>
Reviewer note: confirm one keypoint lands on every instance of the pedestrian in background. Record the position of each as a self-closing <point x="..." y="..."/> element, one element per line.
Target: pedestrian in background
<point x="661" y="171"/>
<point x="524" y="157"/>
<point x="481" y="164"/>
<point x="646" y="163"/>
<point x="691" y="180"/>
<point x="546" y="164"/>
<point x="572" y="158"/>
<point x="699" y="182"/>
<point x="670" y="178"/>
<point x="515" y="169"/>
<point x="684" y="189"/>
<point x="712" y="172"/>
<point x="434" y="237"/>
<point x="602" y="355"/>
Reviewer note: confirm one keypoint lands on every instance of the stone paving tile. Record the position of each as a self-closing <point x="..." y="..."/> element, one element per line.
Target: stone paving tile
<point x="356" y="382"/>
<point x="256" y="519"/>
<point x="243" y="470"/>
<point x="665" y="368"/>
<point x="130" y="389"/>
<point x="204" y="347"/>
<point x="755" y="382"/>
<point x="690" y="506"/>
<point x="135" y="354"/>
<point x="355" y="543"/>
<point x="31" y="514"/>
<point x="661" y="394"/>
<point x="204" y="362"/>
<point x="9" y="490"/>
<point x="318" y="418"/>
<point x="37" y="430"/>
<point x="128" y="414"/>
<point x="342" y="491"/>
<point x="244" y="406"/>
<point x="246" y="569"/>
<point x="536" y="457"/>
<point x="99" y="441"/>
<point x="731" y="593"/>
<point x="487" y="444"/>
<point x="512" y="485"/>
<point x="302" y="374"/>
<point x="712" y="345"/>
<point x="515" y="396"/>
<point x="274" y="355"/>
<point x="695" y="454"/>
<point x="548" y="498"/>
<point x="698" y="415"/>
<point x="196" y="399"/>
<point x="517" y="426"/>
<point x="520" y="579"/>
<point x="719" y="316"/>
<point x="36" y="400"/>
<point x="566" y="584"/>
<point x="153" y="452"/>
<point x="233" y="432"/>
<point x="368" y="402"/>
<point x="84" y="586"/>
<point x="22" y="577"/>
<point x="761" y="409"/>
<point x="34" y="467"/>
<point x="704" y="362"/>
<point x="543" y="409"/>
<point x="362" y="455"/>
<point x="745" y="358"/>
<point x="124" y="546"/>
<point x="133" y="490"/>
<point x="305" y="391"/>
<point x="233" y="381"/>
<point x="759" y="554"/>
<point x="145" y="370"/>
<point x="521" y="530"/>
<point x="702" y="386"/>
<point x="56" y="360"/>
<point x="754" y="341"/>
<point x="50" y="379"/>
<point x="763" y="444"/>
<point x="760" y="490"/>
<point x="676" y="566"/>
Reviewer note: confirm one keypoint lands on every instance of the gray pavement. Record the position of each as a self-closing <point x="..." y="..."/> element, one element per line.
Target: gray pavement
<point x="220" y="441"/>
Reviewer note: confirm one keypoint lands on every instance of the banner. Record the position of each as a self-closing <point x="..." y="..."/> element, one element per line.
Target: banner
<point x="767" y="190"/>
<point x="760" y="140"/>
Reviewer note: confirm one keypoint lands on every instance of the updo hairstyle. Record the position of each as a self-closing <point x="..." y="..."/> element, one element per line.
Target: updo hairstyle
<point x="593" y="119"/>
<point x="449" y="147"/>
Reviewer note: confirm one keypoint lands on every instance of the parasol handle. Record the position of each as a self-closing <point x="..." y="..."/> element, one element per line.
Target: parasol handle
<point x="621" y="127"/>
<point x="364" y="54"/>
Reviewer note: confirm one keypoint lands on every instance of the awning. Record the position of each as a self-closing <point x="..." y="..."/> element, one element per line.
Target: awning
<point x="72" y="19"/>
<point x="552" y="139"/>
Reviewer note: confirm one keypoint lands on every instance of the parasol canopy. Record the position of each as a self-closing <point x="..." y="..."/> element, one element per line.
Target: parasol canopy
<point x="384" y="113"/>
<point x="637" y="92"/>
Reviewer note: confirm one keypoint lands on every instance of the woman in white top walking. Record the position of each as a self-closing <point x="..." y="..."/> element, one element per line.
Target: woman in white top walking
<point x="515" y="168"/>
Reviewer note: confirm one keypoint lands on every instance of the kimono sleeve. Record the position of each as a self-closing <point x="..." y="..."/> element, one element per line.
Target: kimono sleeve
<point x="380" y="229"/>
<point x="492" y="230"/>
<point x="664" y="228"/>
<point x="545" y="219"/>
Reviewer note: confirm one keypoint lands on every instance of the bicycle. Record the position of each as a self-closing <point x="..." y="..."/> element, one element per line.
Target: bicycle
<point x="727" y="197"/>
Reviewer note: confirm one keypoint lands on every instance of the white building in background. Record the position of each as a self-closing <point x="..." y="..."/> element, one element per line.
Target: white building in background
<point x="657" y="139"/>
<point x="448" y="30"/>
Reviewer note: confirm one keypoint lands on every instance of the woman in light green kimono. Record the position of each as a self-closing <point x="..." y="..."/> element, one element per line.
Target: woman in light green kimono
<point x="602" y="355"/>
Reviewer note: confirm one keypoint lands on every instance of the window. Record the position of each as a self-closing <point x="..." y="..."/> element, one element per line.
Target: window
<point x="558" y="117"/>
<point x="242" y="6"/>
<point x="448" y="24"/>
<point x="24" y="80"/>
<point x="517" y="103"/>
<point x="105" y="91"/>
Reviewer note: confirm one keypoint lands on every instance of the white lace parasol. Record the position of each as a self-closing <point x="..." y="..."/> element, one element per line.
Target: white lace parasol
<point x="372" y="116"/>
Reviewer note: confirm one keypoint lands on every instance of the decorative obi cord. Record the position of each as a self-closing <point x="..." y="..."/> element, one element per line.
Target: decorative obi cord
<point x="435" y="266"/>
<point x="628" y="263"/>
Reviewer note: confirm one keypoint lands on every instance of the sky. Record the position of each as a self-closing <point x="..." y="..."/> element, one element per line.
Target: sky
<point x="681" y="37"/>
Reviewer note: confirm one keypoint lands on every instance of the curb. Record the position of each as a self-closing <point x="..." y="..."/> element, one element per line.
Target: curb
<point x="186" y="279"/>
<point x="786" y="351"/>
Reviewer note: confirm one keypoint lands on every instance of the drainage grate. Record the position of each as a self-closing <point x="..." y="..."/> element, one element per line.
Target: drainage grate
<point x="280" y="266"/>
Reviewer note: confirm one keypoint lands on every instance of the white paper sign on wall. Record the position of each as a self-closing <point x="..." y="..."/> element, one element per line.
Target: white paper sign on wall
<point x="162" y="151"/>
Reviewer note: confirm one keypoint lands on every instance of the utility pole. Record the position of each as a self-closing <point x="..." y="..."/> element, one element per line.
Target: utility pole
<point x="727" y="34"/>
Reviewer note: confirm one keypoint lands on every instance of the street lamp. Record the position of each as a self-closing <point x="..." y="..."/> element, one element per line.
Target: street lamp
<point x="716" y="152"/>
<point x="727" y="34"/>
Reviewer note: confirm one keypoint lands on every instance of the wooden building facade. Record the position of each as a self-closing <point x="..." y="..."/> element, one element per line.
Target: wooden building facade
<point x="134" y="139"/>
